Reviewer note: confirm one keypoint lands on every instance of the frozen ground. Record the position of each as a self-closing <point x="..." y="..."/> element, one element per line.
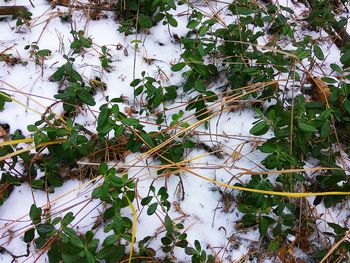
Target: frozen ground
<point x="199" y="203"/>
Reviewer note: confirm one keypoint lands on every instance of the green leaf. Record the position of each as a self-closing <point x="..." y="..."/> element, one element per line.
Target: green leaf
<point x="193" y="24"/>
<point x="168" y="224"/>
<point x="318" y="52"/>
<point x="70" y="258"/>
<point x="102" y="118"/>
<point x="145" y="21"/>
<point x="29" y="235"/>
<point x="199" y="86"/>
<point x="146" y="200"/>
<point x="44" y="228"/>
<point x="152" y="209"/>
<point x="181" y="243"/>
<point x="171" y="20"/>
<point x="346" y="105"/>
<point x="148" y="140"/>
<point x="76" y="241"/>
<point x="129" y="121"/>
<point x="178" y="66"/>
<point x="89" y="257"/>
<point x="264" y="223"/>
<point x="190" y="251"/>
<point x="260" y="128"/>
<point x="171" y="4"/>
<point x="336" y="68"/>
<point x="58" y="75"/>
<point x="345" y="59"/>
<point x="35" y="213"/>
<point x="197" y="245"/>
<point x="103" y="168"/>
<point x="249" y="220"/>
<point x="75" y="75"/>
<point x="135" y="82"/>
<point x="166" y="241"/>
<point x="274" y="244"/>
<point x="67" y="219"/>
<point x="325" y="129"/>
<point x="44" y="52"/>
<point x="111" y="253"/>
<point x="306" y="127"/>
<point x="86" y="98"/>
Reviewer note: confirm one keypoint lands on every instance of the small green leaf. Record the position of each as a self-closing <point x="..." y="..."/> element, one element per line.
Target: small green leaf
<point x="103" y="168"/>
<point x="145" y="21"/>
<point x="168" y="224"/>
<point x="129" y="121"/>
<point x="306" y="127"/>
<point x="264" y="223"/>
<point x="152" y="209"/>
<point x="178" y="66"/>
<point x="44" y="228"/>
<point x="181" y="243"/>
<point x="260" y="128"/>
<point x="89" y="257"/>
<point x="190" y="251"/>
<point x="336" y="68"/>
<point x="171" y="20"/>
<point x="325" y="129"/>
<point x="58" y="75"/>
<point x="274" y="245"/>
<point x="29" y="235"/>
<point x="74" y="75"/>
<point x="76" y="241"/>
<point x="86" y="98"/>
<point x="165" y="241"/>
<point x="35" y="213"/>
<point x="146" y="200"/>
<point x="318" y="52"/>
<point x="192" y="24"/>
<point x="67" y="219"/>
<point x="346" y="105"/>
<point x="197" y="245"/>
<point x="44" y="52"/>
<point x="345" y="59"/>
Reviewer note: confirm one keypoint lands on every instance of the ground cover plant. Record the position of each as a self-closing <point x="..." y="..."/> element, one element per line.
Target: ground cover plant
<point x="174" y="131"/>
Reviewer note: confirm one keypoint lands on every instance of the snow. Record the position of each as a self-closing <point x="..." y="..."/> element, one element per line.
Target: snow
<point x="201" y="208"/>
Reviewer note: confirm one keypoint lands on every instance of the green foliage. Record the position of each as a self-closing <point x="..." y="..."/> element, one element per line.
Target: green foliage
<point x="67" y="72"/>
<point x="4" y="97"/>
<point x="106" y="59"/>
<point x="156" y="94"/>
<point x="76" y="95"/>
<point x="23" y="19"/>
<point x="303" y="128"/>
<point x="321" y="14"/>
<point x="80" y="41"/>
<point x="266" y="211"/>
<point x="67" y="245"/>
<point x="198" y="255"/>
<point x="144" y="14"/>
<point x="116" y="192"/>
<point x="39" y="55"/>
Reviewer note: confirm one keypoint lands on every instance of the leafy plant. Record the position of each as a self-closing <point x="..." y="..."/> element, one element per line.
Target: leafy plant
<point x="80" y="41"/>
<point x="39" y="55"/>
<point x="23" y="18"/>
<point x="76" y="95"/>
<point x="144" y="14"/>
<point x="4" y="97"/>
<point x="106" y="59"/>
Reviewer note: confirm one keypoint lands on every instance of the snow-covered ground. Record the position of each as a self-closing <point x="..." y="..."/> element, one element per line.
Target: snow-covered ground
<point x="200" y="209"/>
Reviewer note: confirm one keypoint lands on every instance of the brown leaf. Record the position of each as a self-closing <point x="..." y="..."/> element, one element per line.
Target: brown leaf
<point x="322" y="90"/>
